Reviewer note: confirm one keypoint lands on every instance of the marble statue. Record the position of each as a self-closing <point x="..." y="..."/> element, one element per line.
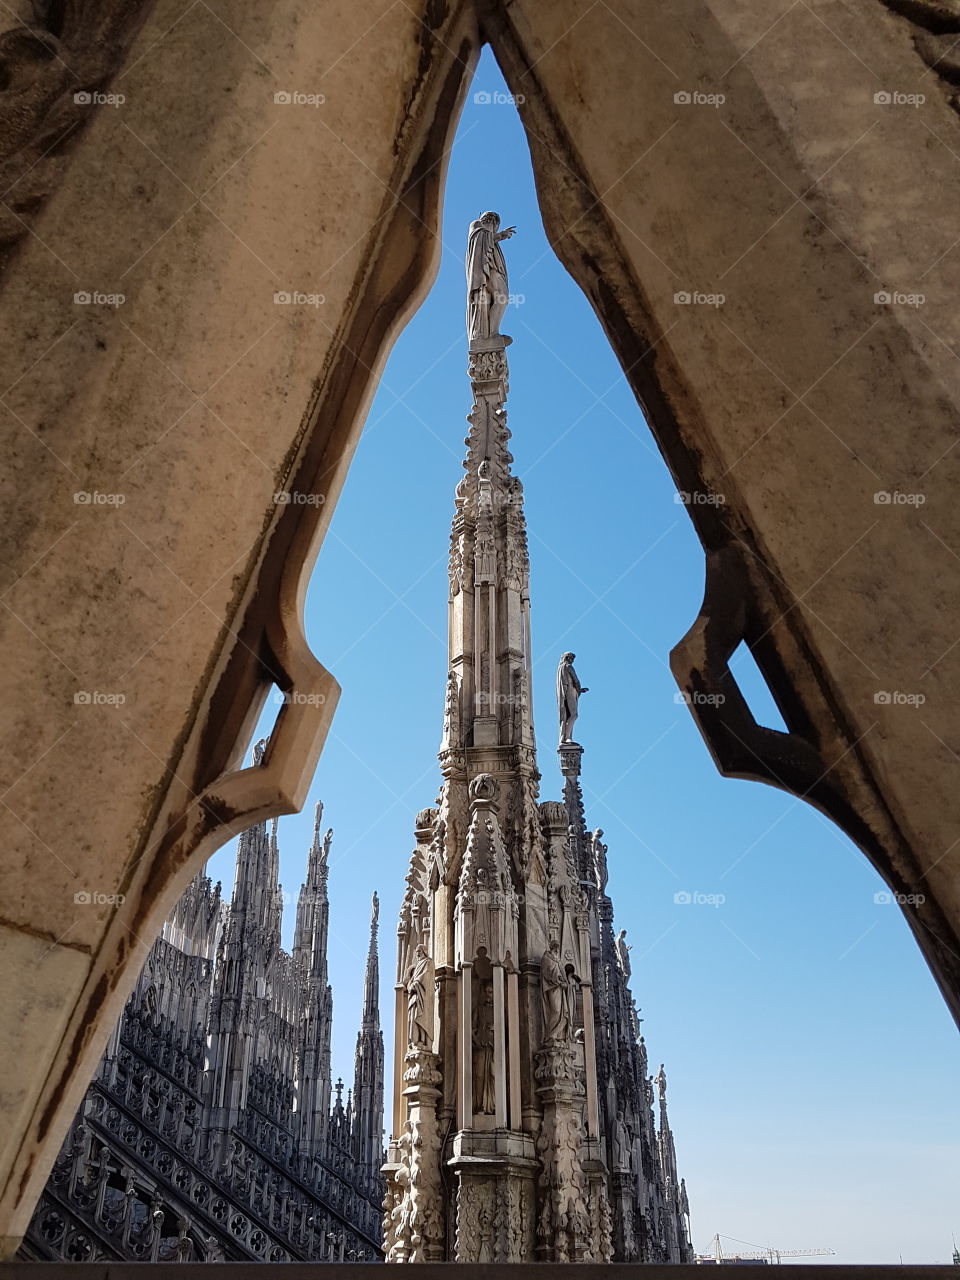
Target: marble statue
<point x="661" y="1083"/>
<point x="484" y="1098"/>
<point x="569" y="690"/>
<point x="554" y="996"/>
<point x="487" y="288"/>
<point x="623" y="952"/>
<point x="621" y="1144"/>
<point x="419" y="1031"/>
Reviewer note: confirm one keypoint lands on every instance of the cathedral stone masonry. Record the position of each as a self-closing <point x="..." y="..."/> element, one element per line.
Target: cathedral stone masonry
<point x="210" y="1132"/>
<point x="523" y="1108"/>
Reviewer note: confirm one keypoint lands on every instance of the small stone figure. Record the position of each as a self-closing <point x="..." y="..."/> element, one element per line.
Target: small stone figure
<point x="623" y="953"/>
<point x="661" y="1083"/>
<point x="419" y="1031"/>
<point x="569" y="690"/>
<point x="487" y="288"/>
<point x="621" y="1145"/>
<point x="484" y="1098"/>
<point x="599" y="851"/>
<point x="554" y="998"/>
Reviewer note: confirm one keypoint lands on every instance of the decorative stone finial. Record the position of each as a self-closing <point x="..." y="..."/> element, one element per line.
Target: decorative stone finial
<point x="484" y="790"/>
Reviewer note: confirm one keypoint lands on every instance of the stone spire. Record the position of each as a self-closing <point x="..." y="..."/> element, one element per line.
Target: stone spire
<point x="519" y="1075"/>
<point x="310" y="953"/>
<point x="313" y="905"/>
<point x="676" y="1238"/>
<point x="248" y="943"/>
<point x="367" y="1115"/>
<point x="371" y="981"/>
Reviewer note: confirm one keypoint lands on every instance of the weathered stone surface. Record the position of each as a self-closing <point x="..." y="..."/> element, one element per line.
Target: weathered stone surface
<point x="43" y="977"/>
<point x="195" y="400"/>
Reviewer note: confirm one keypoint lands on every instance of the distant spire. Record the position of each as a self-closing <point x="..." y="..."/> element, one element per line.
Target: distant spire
<point x="313" y="908"/>
<point x="668" y="1152"/>
<point x="256" y="898"/>
<point x="366" y="1112"/>
<point x="371" y="986"/>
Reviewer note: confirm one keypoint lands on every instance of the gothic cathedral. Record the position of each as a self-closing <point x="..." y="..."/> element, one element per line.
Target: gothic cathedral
<point x="209" y="1132"/>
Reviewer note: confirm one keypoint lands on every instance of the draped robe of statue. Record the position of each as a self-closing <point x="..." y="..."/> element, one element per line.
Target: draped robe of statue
<point x="569" y="690"/>
<point x="487" y="287"/>
<point x="418" y="1025"/>
<point x="554" y="997"/>
<point x="483" y="1076"/>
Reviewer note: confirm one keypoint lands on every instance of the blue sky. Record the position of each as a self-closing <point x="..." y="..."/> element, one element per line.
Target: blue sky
<point x="812" y="1063"/>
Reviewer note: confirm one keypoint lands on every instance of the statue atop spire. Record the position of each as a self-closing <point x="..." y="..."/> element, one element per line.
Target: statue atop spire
<point x="487" y="288"/>
<point x="569" y="690"/>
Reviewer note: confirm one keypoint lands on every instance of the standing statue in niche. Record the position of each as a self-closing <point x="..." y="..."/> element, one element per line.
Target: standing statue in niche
<point x="622" y="1145"/>
<point x="487" y="288"/>
<point x="554" y="997"/>
<point x="569" y="690"/>
<point x="484" y="1097"/>
<point x="419" y="1030"/>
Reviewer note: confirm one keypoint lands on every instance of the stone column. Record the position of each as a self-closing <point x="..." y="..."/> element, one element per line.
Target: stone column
<point x="563" y="1225"/>
<point x="499" y="1047"/>
<point x="465" y="1048"/>
<point x="414" y="1226"/>
<point x="513" y="1048"/>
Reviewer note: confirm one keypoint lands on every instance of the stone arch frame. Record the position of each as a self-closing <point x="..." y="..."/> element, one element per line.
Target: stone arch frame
<point x="205" y="799"/>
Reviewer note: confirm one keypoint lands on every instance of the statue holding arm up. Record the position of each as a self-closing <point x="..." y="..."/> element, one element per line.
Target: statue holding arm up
<point x="487" y="288"/>
<point x="569" y="690"/>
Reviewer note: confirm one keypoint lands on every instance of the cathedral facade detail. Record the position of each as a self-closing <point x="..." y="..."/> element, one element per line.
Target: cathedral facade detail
<point x="212" y="1130"/>
<point x="524" y="1124"/>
